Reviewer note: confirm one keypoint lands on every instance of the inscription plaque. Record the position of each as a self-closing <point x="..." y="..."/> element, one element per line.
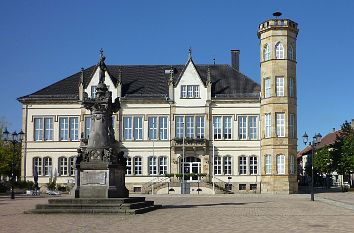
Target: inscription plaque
<point x="93" y="177"/>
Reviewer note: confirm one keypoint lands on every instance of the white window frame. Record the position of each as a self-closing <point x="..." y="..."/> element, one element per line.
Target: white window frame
<point x="68" y="128"/>
<point x="37" y="164"/>
<point x="179" y="126"/>
<point x="200" y="127"/>
<point x="129" y="169"/>
<point x="47" y="166"/>
<point x="196" y="91"/>
<point x="267" y="88"/>
<point x="63" y="166"/>
<point x="190" y="126"/>
<point x="227" y="165"/>
<point x="266" y="53"/>
<point x="138" y="122"/>
<point x="88" y="126"/>
<point x="138" y="165"/>
<point x="268" y="164"/>
<point x="217" y="127"/>
<point x="252" y="128"/>
<point x="280" y="124"/>
<point x="190" y="92"/>
<point x="71" y="166"/>
<point x="281" y="164"/>
<point x="227" y="127"/>
<point x="152" y="163"/>
<point x="268" y="125"/>
<point x="162" y="165"/>
<point x="279" y="86"/>
<point x="163" y="127"/>
<point x="183" y="91"/>
<point x="93" y="91"/>
<point x="242" y="165"/>
<point x="279" y="51"/>
<point x="217" y="165"/>
<point x="128" y="128"/>
<point x="242" y="127"/>
<point x="253" y="165"/>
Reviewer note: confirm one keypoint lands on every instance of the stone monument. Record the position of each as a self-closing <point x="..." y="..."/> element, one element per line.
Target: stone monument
<point x="100" y="165"/>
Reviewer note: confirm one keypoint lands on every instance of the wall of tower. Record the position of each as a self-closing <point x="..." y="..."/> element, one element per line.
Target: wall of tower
<point x="271" y="33"/>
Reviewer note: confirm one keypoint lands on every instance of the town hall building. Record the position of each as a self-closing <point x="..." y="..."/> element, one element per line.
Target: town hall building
<point x="211" y="121"/>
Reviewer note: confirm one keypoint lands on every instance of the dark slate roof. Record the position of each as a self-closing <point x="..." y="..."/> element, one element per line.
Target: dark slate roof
<point x="151" y="81"/>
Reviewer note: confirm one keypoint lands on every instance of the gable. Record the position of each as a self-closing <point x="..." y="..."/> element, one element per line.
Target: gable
<point x="94" y="81"/>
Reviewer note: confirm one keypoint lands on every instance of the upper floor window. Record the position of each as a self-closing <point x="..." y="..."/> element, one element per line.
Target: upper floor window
<point x="267" y="125"/>
<point x="290" y="52"/>
<point x="72" y="166"/>
<point x="266" y="53"/>
<point x="280" y="86"/>
<point x="194" y="127"/>
<point x="133" y="124"/>
<point x="281" y="164"/>
<point x="87" y="130"/>
<point x="279" y="51"/>
<point x="280" y="118"/>
<point x="222" y="127"/>
<point x="267" y="88"/>
<point x="268" y="164"/>
<point x="247" y="127"/>
<point x="93" y="91"/>
<point x="189" y="91"/>
<point x="68" y="128"/>
<point x="43" y="129"/>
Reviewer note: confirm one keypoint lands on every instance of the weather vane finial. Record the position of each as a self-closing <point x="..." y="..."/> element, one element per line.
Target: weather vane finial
<point x="190" y="52"/>
<point x="101" y="53"/>
<point x="277" y="14"/>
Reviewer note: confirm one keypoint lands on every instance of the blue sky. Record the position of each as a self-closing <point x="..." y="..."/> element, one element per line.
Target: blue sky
<point x="44" y="41"/>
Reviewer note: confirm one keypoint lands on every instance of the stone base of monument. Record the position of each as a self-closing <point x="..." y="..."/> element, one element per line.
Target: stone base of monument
<point x="132" y="205"/>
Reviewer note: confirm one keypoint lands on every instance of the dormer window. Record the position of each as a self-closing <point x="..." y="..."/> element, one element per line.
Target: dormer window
<point x="189" y="91"/>
<point x="93" y="91"/>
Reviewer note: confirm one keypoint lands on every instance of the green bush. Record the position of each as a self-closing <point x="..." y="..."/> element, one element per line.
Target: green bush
<point x="4" y="186"/>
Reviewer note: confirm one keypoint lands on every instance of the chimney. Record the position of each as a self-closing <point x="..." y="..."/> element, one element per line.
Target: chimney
<point x="235" y="59"/>
<point x="333" y="130"/>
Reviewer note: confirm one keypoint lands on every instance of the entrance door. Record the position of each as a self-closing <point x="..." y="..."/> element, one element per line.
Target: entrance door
<point x="191" y="166"/>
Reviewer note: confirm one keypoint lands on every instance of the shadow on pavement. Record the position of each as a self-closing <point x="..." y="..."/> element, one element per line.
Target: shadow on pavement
<point x="204" y="205"/>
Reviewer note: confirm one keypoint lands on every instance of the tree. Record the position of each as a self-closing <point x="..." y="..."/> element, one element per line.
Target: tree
<point x="6" y="156"/>
<point x="323" y="162"/>
<point x="343" y="151"/>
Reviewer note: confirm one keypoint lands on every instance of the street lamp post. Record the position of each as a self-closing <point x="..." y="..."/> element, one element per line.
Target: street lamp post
<point x="183" y="184"/>
<point x="315" y="141"/>
<point x="15" y="138"/>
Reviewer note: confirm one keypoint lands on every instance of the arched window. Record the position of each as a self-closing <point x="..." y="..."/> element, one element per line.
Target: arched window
<point x="129" y="166"/>
<point x="279" y="51"/>
<point x="242" y="165"/>
<point x="72" y="166"/>
<point x="281" y="164"/>
<point x="63" y="166"/>
<point x="290" y="52"/>
<point x="227" y="165"/>
<point x="266" y="53"/>
<point x="162" y="165"/>
<point x="137" y="166"/>
<point x="268" y="164"/>
<point x="253" y="165"/>
<point x="217" y="165"/>
<point x="152" y="165"/>
<point x="37" y="166"/>
<point x="47" y="166"/>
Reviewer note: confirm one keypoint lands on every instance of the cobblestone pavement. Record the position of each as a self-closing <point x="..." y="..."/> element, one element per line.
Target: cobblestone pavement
<point x="219" y="213"/>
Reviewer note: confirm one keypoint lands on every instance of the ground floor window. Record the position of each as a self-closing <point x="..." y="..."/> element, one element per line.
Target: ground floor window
<point x="242" y="187"/>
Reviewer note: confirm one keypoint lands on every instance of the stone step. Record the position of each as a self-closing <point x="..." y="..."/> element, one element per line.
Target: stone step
<point x="96" y="200"/>
<point x="136" y="205"/>
<point x="93" y="211"/>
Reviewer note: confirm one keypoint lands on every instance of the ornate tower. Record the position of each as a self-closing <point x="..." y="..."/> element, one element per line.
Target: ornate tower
<point x="278" y="105"/>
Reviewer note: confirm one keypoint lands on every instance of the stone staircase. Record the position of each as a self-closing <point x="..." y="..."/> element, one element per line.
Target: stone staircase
<point x="132" y="205"/>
